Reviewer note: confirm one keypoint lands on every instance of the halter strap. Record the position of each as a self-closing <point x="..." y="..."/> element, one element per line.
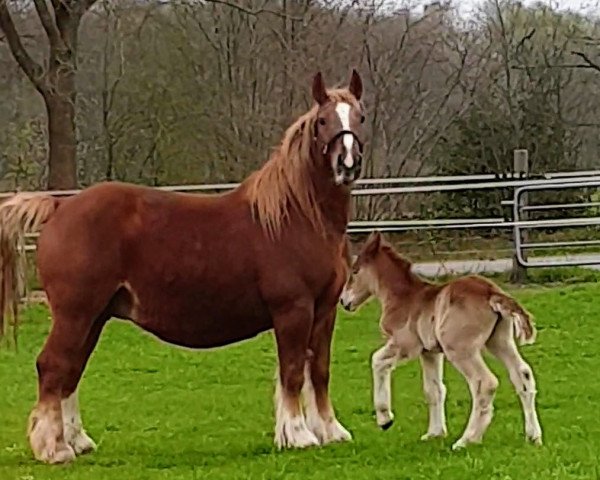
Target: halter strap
<point x="340" y="134"/>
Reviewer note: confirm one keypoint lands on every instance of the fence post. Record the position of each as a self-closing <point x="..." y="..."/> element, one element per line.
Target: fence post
<point x="520" y="170"/>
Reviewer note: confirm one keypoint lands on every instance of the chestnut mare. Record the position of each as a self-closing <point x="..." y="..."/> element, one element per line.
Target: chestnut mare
<point x="199" y="271"/>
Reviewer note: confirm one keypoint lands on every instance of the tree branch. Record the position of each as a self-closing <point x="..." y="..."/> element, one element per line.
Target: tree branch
<point x="30" y="67"/>
<point x="588" y="61"/>
<point x="47" y="22"/>
<point x="256" y="11"/>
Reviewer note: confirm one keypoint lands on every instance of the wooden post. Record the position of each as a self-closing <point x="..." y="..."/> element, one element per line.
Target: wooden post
<point x="520" y="170"/>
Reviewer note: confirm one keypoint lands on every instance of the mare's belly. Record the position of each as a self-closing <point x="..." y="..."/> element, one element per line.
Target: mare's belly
<point x="208" y="327"/>
<point x="199" y="314"/>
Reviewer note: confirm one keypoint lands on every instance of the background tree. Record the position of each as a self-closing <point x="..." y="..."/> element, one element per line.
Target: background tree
<point x="55" y="80"/>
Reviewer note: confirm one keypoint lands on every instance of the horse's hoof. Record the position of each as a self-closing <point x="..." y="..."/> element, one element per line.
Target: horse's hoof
<point x="386" y="425"/>
<point x="62" y="454"/>
<point x="82" y="443"/>
<point x="337" y="433"/>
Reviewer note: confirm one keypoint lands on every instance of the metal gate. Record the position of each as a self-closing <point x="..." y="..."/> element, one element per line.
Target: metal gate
<point x="521" y="208"/>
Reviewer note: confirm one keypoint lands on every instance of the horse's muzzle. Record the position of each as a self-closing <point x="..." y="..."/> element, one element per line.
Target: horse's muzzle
<point x="347" y="305"/>
<point x="345" y="174"/>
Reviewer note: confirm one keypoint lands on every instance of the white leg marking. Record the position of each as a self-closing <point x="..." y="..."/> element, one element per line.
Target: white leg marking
<point x="383" y="362"/>
<point x="326" y="428"/>
<point x="290" y="430"/>
<point x="343" y="111"/>
<point x="73" y="428"/>
<point x="45" y="435"/>
<point x="435" y="393"/>
<point x="314" y="422"/>
<point x="482" y="384"/>
<point x="523" y="380"/>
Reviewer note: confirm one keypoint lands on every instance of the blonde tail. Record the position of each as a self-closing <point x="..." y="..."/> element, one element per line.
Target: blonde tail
<point x="22" y="213"/>
<point x="522" y="320"/>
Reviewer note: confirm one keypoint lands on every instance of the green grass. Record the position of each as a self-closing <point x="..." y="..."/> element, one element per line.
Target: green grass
<point x="160" y="412"/>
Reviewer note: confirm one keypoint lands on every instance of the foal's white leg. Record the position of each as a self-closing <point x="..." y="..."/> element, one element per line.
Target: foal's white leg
<point x="73" y="429"/>
<point x="291" y="429"/>
<point x="383" y="362"/>
<point x="432" y="365"/>
<point x="523" y="380"/>
<point x="482" y="384"/>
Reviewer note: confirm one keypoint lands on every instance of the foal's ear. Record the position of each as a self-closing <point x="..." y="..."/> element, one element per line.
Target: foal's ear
<point x="373" y="243"/>
<point x="318" y="89"/>
<point x="356" y="86"/>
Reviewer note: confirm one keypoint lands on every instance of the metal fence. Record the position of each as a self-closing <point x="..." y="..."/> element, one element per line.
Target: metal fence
<point x="468" y="183"/>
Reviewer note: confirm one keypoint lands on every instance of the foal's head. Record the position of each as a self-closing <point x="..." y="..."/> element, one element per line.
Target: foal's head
<point x="362" y="282"/>
<point x="373" y="270"/>
<point x="338" y="128"/>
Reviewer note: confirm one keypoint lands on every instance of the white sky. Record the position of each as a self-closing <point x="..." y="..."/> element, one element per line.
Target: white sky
<point x="580" y="6"/>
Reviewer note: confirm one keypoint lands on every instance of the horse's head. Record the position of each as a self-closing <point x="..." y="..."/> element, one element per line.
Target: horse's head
<point x="362" y="282"/>
<point x="338" y="128"/>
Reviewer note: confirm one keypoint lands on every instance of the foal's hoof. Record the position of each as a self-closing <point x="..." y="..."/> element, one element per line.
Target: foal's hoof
<point x="537" y="441"/>
<point x="387" y="425"/>
<point x="432" y="435"/>
<point x="459" y="445"/>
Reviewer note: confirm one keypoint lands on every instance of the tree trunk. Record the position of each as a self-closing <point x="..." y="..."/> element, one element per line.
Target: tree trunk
<point x="62" y="158"/>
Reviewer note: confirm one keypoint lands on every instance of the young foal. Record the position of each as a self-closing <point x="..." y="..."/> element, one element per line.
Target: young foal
<point x="458" y="319"/>
<point x="199" y="271"/>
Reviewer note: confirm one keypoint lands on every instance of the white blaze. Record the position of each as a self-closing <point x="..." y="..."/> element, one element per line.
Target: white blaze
<point x="343" y="111"/>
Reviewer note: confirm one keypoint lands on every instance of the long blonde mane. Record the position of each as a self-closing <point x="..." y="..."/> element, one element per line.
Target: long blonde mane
<point x="285" y="181"/>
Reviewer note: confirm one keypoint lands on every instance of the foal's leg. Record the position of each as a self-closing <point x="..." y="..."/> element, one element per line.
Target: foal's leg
<point x="383" y="362"/>
<point x="503" y="347"/>
<point x="403" y="347"/>
<point x="432" y="365"/>
<point x="320" y="415"/>
<point x="483" y="385"/>
<point x="55" y="431"/>
<point x="292" y="331"/>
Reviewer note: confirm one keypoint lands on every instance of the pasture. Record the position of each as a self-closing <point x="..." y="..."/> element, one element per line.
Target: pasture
<point x="159" y="412"/>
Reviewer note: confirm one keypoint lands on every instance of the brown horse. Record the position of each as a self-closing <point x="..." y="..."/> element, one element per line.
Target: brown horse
<point x="199" y="271"/>
<point x="458" y="319"/>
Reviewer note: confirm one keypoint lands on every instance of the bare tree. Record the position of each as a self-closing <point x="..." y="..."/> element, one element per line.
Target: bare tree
<point x="55" y="81"/>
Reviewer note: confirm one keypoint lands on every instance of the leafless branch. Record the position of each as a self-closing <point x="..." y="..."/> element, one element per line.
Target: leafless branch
<point x="255" y="12"/>
<point x="588" y="61"/>
<point x="32" y="69"/>
<point x="48" y="23"/>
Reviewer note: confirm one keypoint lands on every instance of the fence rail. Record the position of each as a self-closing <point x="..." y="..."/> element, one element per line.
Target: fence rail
<point x="435" y="184"/>
<point x="439" y="184"/>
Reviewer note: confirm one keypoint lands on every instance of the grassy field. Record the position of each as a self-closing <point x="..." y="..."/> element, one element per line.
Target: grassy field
<point x="159" y="412"/>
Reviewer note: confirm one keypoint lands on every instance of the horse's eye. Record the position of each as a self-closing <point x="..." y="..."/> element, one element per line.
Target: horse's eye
<point x="362" y="119"/>
<point x="322" y="121"/>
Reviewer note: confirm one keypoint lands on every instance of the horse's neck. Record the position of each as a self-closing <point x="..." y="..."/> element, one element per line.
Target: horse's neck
<point x="335" y="208"/>
<point x="395" y="282"/>
<point x="333" y="200"/>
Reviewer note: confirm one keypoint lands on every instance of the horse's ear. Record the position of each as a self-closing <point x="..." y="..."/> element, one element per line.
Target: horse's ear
<point x="356" y="86"/>
<point x="318" y="89"/>
<point x="373" y="243"/>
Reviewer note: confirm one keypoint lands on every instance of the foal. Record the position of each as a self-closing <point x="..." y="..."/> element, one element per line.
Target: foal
<point x="457" y="319"/>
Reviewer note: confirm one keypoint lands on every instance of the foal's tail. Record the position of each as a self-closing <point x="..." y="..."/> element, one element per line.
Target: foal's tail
<point x="22" y="213"/>
<point x="522" y="320"/>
